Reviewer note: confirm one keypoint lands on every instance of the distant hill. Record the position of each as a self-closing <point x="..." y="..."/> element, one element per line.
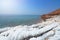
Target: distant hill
<point x="51" y="14"/>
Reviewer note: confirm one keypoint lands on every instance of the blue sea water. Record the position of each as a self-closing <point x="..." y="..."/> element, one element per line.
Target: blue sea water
<point x="14" y="20"/>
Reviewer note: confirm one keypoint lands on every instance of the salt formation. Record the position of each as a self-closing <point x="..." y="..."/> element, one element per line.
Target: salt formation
<point x="47" y="30"/>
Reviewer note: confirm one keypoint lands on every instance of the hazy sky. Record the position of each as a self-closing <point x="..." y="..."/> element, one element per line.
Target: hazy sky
<point x="33" y="7"/>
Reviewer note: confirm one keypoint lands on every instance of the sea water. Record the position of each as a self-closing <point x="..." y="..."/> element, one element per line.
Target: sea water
<point x="15" y="20"/>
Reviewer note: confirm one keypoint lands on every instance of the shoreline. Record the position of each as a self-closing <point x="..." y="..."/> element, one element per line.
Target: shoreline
<point x="35" y="31"/>
<point x="48" y="29"/>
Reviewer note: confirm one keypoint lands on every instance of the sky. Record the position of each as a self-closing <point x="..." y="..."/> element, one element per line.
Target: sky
<point x="28" y="7"/>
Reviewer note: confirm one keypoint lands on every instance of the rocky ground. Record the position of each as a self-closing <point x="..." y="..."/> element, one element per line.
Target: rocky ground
<point x="47" y="30"/>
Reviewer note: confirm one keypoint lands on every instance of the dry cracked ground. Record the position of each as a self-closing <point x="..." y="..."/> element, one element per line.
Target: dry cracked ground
<point x="47" y="30"/>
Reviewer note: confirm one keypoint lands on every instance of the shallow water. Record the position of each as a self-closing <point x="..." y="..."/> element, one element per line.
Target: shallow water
<point x="14" y="20"/>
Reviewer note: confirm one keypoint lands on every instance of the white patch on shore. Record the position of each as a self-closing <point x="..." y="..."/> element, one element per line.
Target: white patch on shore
<point x="50" y="30"/>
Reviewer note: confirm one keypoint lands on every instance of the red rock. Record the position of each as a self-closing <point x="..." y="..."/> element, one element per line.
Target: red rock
<point x="50" y="15"/>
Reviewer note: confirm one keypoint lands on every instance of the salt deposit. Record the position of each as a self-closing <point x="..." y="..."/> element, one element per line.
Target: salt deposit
<point x="47" y="30"/>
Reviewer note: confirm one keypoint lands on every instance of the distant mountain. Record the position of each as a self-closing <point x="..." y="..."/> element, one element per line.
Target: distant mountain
<point x="51" y="14"/>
